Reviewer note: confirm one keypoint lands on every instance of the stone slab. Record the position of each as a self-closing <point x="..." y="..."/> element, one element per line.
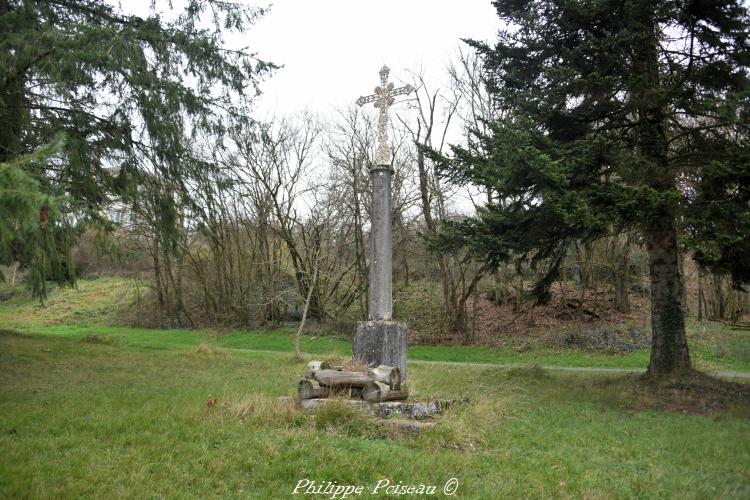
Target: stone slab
<point x="410" y="409"/>
<point x="406" y="424"/>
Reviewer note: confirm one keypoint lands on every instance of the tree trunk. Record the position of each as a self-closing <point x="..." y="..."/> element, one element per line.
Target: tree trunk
<point x="336" y="377"/>
<point x="13" y="115"/>
<point x="669" y="349"/>
<point x="376" y="392"/>
<point x="621" y="266"/>
<point x="298" y="335"/>
<point x="622" y="287"/>
<point x="390" y="375"/>
<point x="719" y="298"/>
<point x="561" y="282"/>
<point x="13" y="279"/>
<point x="312" y="368"/>
<point x="701" y="296"/>
<point x="155" y="255"/>
<point x="309" y="389"/>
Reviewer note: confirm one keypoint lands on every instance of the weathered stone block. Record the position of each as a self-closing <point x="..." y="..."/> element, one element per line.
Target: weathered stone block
<point x="414" y="409"/>
<point x="382" y="343"/>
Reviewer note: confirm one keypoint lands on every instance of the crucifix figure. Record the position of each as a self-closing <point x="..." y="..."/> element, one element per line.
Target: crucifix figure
<point x="383" y="98"/>
<point x="381" y="340"/>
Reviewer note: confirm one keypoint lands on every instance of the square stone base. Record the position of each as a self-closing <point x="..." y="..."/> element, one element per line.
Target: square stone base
<point x="382" y="343"/>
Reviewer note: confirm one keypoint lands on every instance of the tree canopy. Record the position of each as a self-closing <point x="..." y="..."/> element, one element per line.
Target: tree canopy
<point x="98" y="104"/>
<point x="619" y="115"/>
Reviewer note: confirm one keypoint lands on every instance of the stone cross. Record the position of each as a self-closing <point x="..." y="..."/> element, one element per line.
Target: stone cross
<point x="381" y="340"/>
<point x="383" y="98"/>
<point x="381" y="287"/>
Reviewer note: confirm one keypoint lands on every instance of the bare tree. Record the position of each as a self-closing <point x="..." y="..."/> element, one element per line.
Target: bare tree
<point x="435" y="111"/>
<point x="274" y="164"/>
<point x="350" y="145"/>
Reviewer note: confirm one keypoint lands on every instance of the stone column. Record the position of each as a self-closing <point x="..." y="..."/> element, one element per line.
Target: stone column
<point x="380" y="302"/>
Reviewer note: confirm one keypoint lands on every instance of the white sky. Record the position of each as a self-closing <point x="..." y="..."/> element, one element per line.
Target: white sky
<point x="332" y="50"/>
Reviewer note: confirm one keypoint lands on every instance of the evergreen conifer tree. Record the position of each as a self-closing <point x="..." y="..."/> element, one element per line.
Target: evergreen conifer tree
<point x="621" y="114"/>
<point x="128" y="94"/>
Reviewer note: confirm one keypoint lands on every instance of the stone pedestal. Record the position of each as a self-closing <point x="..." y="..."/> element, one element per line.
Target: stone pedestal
<point x="382" y="343"/>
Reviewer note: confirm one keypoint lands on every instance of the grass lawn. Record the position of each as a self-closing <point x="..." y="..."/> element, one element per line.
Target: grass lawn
<point x="89" y="408"/>
<point x="106" y="416"/>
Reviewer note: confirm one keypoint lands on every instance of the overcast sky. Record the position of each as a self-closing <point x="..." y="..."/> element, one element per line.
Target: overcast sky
<point x="332" y="50"/>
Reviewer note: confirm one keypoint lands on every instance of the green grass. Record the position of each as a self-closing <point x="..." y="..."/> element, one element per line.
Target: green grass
<point x="281" y="340"/>
<point x="95" y="409"/>
<point x="126" y="415"/>
<point x="96" y="307"/>
<point x="99" y="301"/>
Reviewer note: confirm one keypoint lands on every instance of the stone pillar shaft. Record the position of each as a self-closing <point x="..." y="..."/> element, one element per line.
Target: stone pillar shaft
<point x="381" y="259"/>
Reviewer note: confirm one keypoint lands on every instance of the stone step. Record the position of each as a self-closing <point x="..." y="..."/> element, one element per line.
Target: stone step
<point x="409" y="409"/>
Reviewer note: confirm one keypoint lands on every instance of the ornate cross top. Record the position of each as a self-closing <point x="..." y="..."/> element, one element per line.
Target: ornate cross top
<point x="383" y="98"/>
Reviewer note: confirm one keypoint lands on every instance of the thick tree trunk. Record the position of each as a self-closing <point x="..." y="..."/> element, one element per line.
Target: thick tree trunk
<point x="669" y="349"/>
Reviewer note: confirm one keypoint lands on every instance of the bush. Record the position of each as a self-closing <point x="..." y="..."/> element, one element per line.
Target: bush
<point x="608" y="340"/>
